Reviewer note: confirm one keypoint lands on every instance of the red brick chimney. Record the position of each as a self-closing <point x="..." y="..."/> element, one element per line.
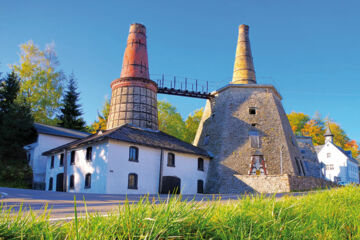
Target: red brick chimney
<point x="134" y="95"/>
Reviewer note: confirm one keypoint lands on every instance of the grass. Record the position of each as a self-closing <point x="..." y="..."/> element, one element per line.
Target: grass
<point x="333" y="214"/>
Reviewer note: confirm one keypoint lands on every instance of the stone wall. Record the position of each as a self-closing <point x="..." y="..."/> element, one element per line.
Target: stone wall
<point x="225" y="129"/>
<point x="283" y="183"/>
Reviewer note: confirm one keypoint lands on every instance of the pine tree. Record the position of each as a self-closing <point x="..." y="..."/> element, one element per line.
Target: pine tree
<point x="71" y="110"/>
<point x="16" y="131"/>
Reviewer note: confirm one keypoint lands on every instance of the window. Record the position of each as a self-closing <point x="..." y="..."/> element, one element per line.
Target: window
<point x="252" y="111"/>
<point x="253" y="124"/>
<point x="328" y="155"/>
<point x="61" y="160"/>
<point x="29" y="157"/>
<point x="302" y="151"/>
<point x="71" y="186"/>
<point x="171" y="160"/>
<point x="254" y="139"/>
<point x="72" y="158"/>
<point x="52" y="162"/>
<point x="51" y="184"/>
<point x="88" y="154"/>
<point x="132" y="181"/>
<point x="133" y="154"/>
<point x="300" y="167"/>
<point x="200" y="164"/>
<point x="88" y="180"/>
<point x="200" y="186"/>
<point x="329" y="167"/>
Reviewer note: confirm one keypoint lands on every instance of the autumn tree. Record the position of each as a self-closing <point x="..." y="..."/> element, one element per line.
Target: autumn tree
<point x="71" y="113"/>
<point x="315" y="130"/>
<point x="41" y="84"/>
<point x="101" y="122"/>
<point x="297" y="121"/>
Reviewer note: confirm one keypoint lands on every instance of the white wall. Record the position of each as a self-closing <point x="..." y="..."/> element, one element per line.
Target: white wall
<point x="110" y="168"/>
<point x="343" y="167"/>
<point x="97" y="168"/>
<point x="147" y="169"/>
<point x="186" y="168"/>
<point x="44" y="143"/>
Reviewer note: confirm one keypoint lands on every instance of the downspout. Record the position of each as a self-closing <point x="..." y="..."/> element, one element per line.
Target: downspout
<point x="65" y="171"/>
<point x="161" y="170"/>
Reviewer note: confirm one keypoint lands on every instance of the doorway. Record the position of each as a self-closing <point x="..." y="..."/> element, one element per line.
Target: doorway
<point x="170" y="184"/>
<point x="60" y="182"/>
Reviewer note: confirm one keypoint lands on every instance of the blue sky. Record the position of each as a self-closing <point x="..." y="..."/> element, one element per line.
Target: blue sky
<point x="308" y="49"/>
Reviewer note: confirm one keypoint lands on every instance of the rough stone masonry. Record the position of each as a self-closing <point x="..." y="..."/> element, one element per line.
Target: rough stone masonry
<point x="246" y="129"/>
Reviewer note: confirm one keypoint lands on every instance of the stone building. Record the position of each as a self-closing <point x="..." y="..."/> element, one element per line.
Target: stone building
<point x="246" y="129"/>
<point x="309" y="156"/>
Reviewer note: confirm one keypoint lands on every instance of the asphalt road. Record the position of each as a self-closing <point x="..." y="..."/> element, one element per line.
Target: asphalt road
<point x="61" y="204"/>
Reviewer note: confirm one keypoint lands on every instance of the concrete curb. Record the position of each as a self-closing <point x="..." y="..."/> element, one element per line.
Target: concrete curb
<point x="3" y="195"/>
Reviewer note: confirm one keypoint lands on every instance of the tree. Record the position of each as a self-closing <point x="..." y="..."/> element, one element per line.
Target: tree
<point x="170" y="121"/>
<point x="101" y="122"/>
<point x="297" y="121"/>
<point x="16" y="131"/>
<point x="353" y="147"/>
<point x="192" y="124"/>
<point x="315" y="130"/>
<point x="40" y="84"/>
<point x="70" y="111"/>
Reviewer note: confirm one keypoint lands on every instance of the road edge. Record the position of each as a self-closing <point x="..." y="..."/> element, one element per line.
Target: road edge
<point x="3" y="195"/>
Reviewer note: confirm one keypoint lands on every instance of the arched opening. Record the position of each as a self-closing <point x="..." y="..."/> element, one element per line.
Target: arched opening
<point x="170" y="184"/>
<point x="60" y="182"/>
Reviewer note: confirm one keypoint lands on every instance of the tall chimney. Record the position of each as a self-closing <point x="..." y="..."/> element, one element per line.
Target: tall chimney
<point x="244" y="72"/>
<point x="133" y="98"/>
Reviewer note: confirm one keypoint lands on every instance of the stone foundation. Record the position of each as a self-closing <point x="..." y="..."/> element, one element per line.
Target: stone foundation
<point x="283" y="183"/>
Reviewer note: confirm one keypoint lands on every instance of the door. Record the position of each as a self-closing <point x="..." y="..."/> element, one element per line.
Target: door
<point x="60" y="182"/>
<point x="170" y="184"/>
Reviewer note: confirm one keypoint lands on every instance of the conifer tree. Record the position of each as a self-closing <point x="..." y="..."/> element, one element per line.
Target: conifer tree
<point x="71" y="110"/>
<point x="16" y="131"/>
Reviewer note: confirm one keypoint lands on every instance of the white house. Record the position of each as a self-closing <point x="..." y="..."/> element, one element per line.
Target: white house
<point x="48" y="138"/>
<point x="337" y="165"/>
<point x="127" y="160"/>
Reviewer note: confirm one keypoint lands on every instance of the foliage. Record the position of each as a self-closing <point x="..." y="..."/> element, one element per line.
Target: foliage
<point x="315" y="130"/>
<point x="192" y="124"/>
<point x="40" y="85"/>
<point x="70" y="111"/>
<point x="332" y="214"/>
<point x="297" y="121"/>
<point x="101" y="122"/>
<point x="170" y="121"/>
<point x="16" y="131"/>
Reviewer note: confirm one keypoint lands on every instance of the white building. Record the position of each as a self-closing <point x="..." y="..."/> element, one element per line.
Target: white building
<point x="127" y="160"/>
<point x="48" y="137"/>
<point x="337" y="165"/>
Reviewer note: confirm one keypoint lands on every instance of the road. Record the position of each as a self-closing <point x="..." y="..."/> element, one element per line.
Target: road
<point x="62" y="203"/>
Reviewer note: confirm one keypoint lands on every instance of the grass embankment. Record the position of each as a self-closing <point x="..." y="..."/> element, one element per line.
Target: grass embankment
<point x="333" y="214"/>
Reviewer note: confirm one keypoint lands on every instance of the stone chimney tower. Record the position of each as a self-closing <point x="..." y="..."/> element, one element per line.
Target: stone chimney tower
<point x="246" y="128"/>
<point x="133" y="98"/>
<point x="244" y="72"/>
